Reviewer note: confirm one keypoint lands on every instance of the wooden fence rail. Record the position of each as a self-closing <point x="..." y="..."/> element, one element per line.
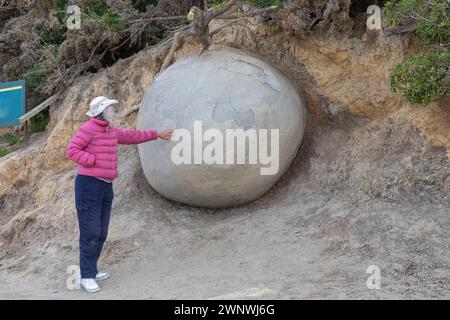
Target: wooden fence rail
<point x="27" y="116"/>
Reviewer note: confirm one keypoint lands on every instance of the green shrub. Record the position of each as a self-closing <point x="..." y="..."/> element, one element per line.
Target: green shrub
<point x="51" y="36"/>
<point x="262" y="3"/>
<point x="97" y="7"/>
<point x="111" y="20"/>
<point x="35" y="75"/>
<point x="39" y="122"/>
<point x="422" y="76"/>
<point x="267" y="3"/>
<point x="141" y="4"/>
<point x="61" y="4"/>
<point x="61" y="13"/>
<point x="99" y="11"/>
<point x="11" y="138"/>
<point x="432" y="18"/>
<point x="3" y="152"/>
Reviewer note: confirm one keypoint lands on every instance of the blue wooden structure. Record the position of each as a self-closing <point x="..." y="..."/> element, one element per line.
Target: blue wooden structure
<point x="12" y="106"/>
<point x="12" y="103"/>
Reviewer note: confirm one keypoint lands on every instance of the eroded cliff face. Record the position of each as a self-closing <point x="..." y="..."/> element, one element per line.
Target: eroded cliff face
<point x="351" y="72"/>
<point x="363" y="145"/>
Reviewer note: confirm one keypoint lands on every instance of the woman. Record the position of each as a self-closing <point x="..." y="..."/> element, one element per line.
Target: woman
<point x="94" y="148"/>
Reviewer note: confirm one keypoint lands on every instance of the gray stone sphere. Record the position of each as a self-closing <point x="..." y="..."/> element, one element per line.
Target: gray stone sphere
<point x="221" y="89"/>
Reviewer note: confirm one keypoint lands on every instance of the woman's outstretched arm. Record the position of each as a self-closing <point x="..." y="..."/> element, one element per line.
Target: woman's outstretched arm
<point x="129" y="136"/>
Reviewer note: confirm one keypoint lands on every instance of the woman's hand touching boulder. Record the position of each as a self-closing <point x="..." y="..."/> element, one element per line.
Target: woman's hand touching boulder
<point x="166" y="134"/>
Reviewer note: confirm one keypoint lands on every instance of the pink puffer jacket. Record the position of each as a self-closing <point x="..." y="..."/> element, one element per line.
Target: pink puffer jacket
<point x="94" y="147"/>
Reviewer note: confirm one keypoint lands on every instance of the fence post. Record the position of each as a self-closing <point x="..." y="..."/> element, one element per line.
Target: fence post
<point x="25" y="133"/>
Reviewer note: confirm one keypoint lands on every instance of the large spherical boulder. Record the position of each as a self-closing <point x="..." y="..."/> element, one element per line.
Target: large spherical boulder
<point x="221" y="89"/>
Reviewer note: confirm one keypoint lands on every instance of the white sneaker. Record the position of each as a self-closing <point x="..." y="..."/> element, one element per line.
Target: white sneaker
<point x="89" y="285"/>
<point x="102" y="276"/>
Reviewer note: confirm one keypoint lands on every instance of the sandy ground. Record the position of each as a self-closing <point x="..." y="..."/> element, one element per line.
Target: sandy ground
<point x="310" y="237"/>
<point x="303" y="251"/>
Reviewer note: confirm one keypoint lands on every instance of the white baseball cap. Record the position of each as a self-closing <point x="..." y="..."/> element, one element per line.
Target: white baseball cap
<point x="99" y="104"/>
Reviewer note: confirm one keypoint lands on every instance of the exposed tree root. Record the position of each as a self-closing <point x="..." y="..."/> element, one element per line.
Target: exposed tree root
<point x="199" y="27"/>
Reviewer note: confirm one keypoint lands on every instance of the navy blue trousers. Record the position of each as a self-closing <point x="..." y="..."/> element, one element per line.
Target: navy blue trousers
<point x="93" y="200"/>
